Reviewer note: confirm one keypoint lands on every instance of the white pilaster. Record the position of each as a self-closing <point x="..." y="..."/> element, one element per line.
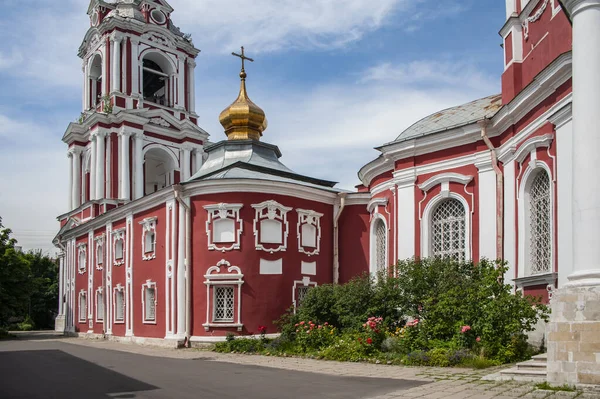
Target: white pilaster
<point x="100" y="163"/>
<point x="61" y="283"/>
<point x="125" y="71"/>
<point x="139" y="165"/>
<point x="76" y="186"/>
<point x="86" y="86"/>
<point x="180" y="84"/>
<point x="405" y="198"/>
<point x="510" y="214"/>
<point x="108" y="170"/>
<point x="192" y="86"/>
<point x="93" y="168"/>
<point x="135" y="68"/>
<point x="186" y="164"/>
<point x="116" y="61"/>
<point x="487" y="207"/>
<point x="586" y="141"/>
<point x="181" y="273"/>
<point x="71" y="167"/>
<point x="511" y="8"/>
<point x="124" y="172"/>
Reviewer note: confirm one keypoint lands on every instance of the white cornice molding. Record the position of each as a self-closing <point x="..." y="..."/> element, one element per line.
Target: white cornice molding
<point x="358" y="199"/>
<point x="445" y="178"/>
<point x="531" y="144"/>
<point x="375" y="202"/>
<point x="576" y="6"/>
<point x="562" y="116"/>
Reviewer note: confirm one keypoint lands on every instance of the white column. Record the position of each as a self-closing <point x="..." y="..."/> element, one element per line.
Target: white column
<point x="181" y="273"/>
<point x="511" y="7"/>
<point x="116" y="61"/>
<point x="487" y="207"/>
<point x="135" y="72"/>
<point x="181" y="84"/>
<point x="125" y="186"/>
<point x="198" y="160"/>
<point x="76" y="186"/>
<point x="405" y="181"/>
<point x="71" y="163"/>
<point x="586" y="141"/>
<point x="93" y="169"/>
<point x="86" y="86"/>
<point x="100" y="162"/>
<point x="61" y="283"/>
<point x="108" y="171"/>
<point x="564" y="228"/>
<point x="139" y="166"/>
<point x="186" y="164"/>
<point x="125" y="72"/>
<point x="172" y="90"/>
<point x="510" y="215"/>
<point x="192" y="85"/>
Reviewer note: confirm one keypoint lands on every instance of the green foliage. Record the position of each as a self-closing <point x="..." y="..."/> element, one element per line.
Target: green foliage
<point x="28" y="285"/>
<point x="241" y="345"/>
<point x="348" y="347"/>
<point x="107" y="105"/>
<point x="545" y="386"/>
<point x="311" y="336"/>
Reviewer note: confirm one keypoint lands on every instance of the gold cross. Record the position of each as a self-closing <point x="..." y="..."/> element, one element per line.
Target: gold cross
<point x="243" y="57"/>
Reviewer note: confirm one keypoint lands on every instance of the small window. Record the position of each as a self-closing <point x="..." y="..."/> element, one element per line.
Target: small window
<point x="448" y="227"/>
<point x="149" y="303"/>
<point x="82" y="307"/>
<point x="309" y="236"/>
<point x="301" y="294"/>
<point x="119" y="305"/>
<point x="99" y="306"/>
<point x="223" y="304"/>
<point x="99" y="255"/>
<point x="119" y="249"/>
<point x="270" y="232"/>
<point x="224" y="231"/>
<point x="149" y="242"/>
<point x="158" y="16"/>
<point x="82" y="259"/>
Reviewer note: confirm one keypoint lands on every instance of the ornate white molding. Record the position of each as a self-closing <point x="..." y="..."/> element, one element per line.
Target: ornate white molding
<point x="160" y="122"/>
<point x="119" y="289"/>
<point x="159" y="39"/>
<point x="311" y="219"/>
<point x="99" y="246"/>
<point x="577" y="6"/>
<point x="445" y="178"/>
<point x="223" y="212"/>
<point x="149" y="318"/>
<point x="81" y="258"/>
<point x="99" y="312"/>
<point x="270" y="211"/>
<point x="118" y="236"/>
<point x="533" y="18"/>
<point x="149" y="227"/>
<point x="532" y="144"/>
<point x="215" y="278"/>
<point x="376" y="202"/>
<point x="305" y="282"/>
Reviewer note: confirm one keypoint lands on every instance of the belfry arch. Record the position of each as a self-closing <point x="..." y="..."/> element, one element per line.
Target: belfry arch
<point x="158" y="78"/>
<point x="160" y="167"/>
<point x="95" y="78"/>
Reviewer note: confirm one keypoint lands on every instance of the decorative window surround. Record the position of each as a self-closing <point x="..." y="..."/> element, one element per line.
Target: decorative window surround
<point x="532" y="144"/>
<point x="81" y="258"/>
<point x="378" y="244"/>
<point x="99" y="305"/>
<point x="299" y="290"/>
<point x="119" y="304"/>
<point x="149" y="238"/>
<point x="537" y="279"/>
<point x="119" y="246"/>
<point x="149" y="302"/>
<point x="309" y="231"/>
<point x="219" y="214"/>
<point x="308" y="268"/>
<point x="444" y="179"/>
<point x="376" y="202"/>
<point x="270" y="213"/>
<point x="99" y="252"/>
<point x="214" y="279"/>
<point x="82" y="314"/>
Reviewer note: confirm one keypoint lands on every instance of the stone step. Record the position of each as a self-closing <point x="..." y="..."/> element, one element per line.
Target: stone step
<point x="542" y="357"/>
<point x="534" y="365"/>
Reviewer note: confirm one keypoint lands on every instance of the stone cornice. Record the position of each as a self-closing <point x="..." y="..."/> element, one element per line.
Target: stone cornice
<point x="576" y="6"/>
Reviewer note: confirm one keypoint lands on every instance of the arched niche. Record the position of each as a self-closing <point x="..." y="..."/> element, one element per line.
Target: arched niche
<point x="160" y="165"/>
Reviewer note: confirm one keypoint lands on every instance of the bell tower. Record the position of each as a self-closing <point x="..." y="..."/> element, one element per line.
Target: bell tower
<point x="138" y="130"/>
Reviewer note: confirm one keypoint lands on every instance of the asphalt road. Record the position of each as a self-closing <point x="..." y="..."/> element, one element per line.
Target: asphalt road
<point x="55" y="369"/>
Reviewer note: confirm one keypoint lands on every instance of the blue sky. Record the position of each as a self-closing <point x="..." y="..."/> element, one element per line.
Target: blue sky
<point x="335" y="78"/>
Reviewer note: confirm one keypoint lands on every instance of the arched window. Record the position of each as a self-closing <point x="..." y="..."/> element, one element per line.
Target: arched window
<point x="540" y="224"/>
<point x="159" y="170"/>
<point x="95" y="80"/>
<point x="158" y="83"/>
<point x="380" y="245"/>
<point x="448" y="230"/>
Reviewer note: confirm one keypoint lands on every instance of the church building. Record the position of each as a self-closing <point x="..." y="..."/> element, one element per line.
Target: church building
<point x="171" y="239"/>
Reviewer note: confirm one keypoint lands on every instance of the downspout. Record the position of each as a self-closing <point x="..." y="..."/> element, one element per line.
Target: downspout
<point x="499" y="190"/>
<point x="336" y="239"/>
<point x="188" y="272"/>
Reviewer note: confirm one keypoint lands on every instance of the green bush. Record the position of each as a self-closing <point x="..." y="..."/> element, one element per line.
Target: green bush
<point x="26" y="325"/>
<point x="311" y="336"/>
<point x="241" y="345"/>
<point x="349" y="348"/>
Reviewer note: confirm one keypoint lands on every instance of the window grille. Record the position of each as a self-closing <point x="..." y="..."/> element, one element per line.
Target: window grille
<point x="380" y="245"/>
<point x="99" y="306"/>
<point x="82" y="307"/>
<point x="449" y="230"/>
<point x="301" y="294"/>
<point x="223" y="304"/>
<point x="120" y="306"/>
<point x="540" y="220"/>
<point x="150" y="304"/>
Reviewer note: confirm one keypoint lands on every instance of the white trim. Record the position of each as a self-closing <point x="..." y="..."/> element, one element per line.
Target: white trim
<point x="233" y="277"/>
<point x="373" y="242"/>
<point x="99" y="246"/>
<point x="426" y="223"/>
<point x="118" y="289"/>
<point x="445" y="178"/>
<point x="148" y="226"/>
<point x="99" y="291"/>
<point x="81" y="254"/>
<point x="147" y="286"/>
<point x="532" y="144"/>
<point x="305" y="282"/>
<point x="271" y="210"/>
<point x="83" y="294"/>
<point x="224" y="211"/>
<point x="522" y="220"/>
<point x="311" y="218"/>
<point x="118" y="235"/>
<point x="377" y="202"/>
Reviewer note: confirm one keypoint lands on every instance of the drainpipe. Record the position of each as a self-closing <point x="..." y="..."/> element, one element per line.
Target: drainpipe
<point x="499" y="191"/>
<point x="188" y="272"/>
<point x="336" y="239"/>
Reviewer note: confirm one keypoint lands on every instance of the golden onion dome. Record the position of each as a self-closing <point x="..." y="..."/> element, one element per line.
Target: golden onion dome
<point x="243" y="119"/>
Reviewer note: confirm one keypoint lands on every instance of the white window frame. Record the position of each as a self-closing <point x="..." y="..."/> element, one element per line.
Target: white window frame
<point x="311" y="218"/>
<point x="149" y="227"/>
<point x="426" y="233"/>
<point x="149" y="285"/>
<point x="82" y="311"/>
<point x="99" y="249"/>
<point x="118" y="235"/>
<point x="375" y="218"/>
<point x="119" y="289"/>
<point x="99" y="315"/>
<point x="81" y="258"/>
<point x="224" y="211"/>
<point x="213" y="278"/>
<point x="274" y="211"/>
<point x="525" y="278"/>
<point x="305" y="282"/>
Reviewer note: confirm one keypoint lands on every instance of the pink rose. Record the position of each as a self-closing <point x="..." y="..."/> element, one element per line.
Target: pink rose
<point x="477" y="339"/>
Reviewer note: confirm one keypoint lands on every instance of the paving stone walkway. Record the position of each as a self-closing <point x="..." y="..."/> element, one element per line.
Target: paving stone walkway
<point x="447" y="383"/>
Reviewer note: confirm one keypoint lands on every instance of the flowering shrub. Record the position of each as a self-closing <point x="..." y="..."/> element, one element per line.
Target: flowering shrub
<point x="374" y="331"/>
<point x="311" y="336"/>
<point x="348" y="347"/>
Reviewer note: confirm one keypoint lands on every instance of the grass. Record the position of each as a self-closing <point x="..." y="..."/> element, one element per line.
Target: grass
<point x="547" y="387"/>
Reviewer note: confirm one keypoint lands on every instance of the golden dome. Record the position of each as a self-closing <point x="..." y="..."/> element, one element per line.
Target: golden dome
<point x="243" y="119"/>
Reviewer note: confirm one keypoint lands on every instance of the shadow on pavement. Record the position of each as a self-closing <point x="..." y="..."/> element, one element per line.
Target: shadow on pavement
<point x="56" y="374"/>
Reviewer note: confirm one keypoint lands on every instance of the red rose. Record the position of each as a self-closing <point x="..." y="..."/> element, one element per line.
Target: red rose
<point x="369" y="341"/>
